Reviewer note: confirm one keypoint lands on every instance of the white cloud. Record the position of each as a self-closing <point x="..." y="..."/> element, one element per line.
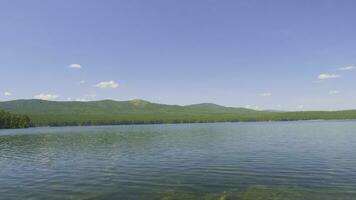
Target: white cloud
<point x="75" y="66"/>
<point x="45" y="96"/>
<point x="266" y="94"/>
<point x="6" y="93"/>
<point x="347" y="68"/>
<point x="254" y="107"/>
<point x="82" y="82"/>
<point x="328" y="76"/>
<point x="300" y="107"/>
<point x="334" y="92"/>
<point x="81" y="99"/>
<point x="88" y="97"/>
<point x="107" y="84"/>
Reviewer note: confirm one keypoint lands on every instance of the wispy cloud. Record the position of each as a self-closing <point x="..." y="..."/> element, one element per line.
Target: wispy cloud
<point x="75" y="66"/>
<point x="334" y="92"/>
<point x="254" y="107"/>
<point x="45" y="96"/>
<point x="81" y="99"/>
<point x="88" y="97"/>
<point x="328" y="76"/>
<point x="266" y="94"/>
<point x="6" y="93"/>
<point x="347" y="68"/>
<point x="107" y="84"/>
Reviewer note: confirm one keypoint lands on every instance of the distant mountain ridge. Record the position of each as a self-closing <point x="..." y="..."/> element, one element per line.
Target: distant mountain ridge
<point x="110" y="112"/>
<point x="110" y="106"/>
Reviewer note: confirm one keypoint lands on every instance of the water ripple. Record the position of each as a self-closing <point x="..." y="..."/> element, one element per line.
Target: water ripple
<point x="298" y="160"/>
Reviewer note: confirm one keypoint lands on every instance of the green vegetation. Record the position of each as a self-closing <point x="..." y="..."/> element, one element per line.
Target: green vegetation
<point x="108" y="112"/>
<point x="8" y="120"/>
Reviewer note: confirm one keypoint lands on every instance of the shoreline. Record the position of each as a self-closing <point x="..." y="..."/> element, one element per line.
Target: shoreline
<point x="188" y="123"/>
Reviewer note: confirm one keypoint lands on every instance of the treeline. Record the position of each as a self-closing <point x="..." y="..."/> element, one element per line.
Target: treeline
<point x="8" y="120"/>
<point x="176" y="118"/>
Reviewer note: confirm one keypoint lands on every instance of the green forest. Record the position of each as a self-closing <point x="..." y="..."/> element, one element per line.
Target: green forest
<point x="108" y="112"/>
<point x="8" y="120"/>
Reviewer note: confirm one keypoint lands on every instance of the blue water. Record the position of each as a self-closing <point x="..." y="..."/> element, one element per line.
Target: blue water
<point x="269" y="160"/>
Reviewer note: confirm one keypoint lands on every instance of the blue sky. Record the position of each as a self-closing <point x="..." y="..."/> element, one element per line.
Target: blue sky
<point x="276" y="54"/>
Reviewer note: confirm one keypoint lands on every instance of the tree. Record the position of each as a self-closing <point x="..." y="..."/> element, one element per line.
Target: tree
<point x="8" y="120"/>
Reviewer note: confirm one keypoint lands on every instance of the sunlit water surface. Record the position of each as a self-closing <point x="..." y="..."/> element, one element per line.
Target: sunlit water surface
<point x="244" y="161"/>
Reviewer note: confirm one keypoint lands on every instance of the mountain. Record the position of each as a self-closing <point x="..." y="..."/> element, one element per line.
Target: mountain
<point x="44" y="112"/>
<point x="109" y="112"/>
<point x="109" y="107"/>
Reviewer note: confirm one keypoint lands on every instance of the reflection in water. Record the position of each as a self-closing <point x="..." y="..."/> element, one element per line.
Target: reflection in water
<point x="279" y="160"/>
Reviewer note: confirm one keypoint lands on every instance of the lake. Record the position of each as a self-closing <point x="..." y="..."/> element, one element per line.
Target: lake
<point x="308" y="160"/>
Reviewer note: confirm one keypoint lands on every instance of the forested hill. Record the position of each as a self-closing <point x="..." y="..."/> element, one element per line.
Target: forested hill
<point x="108" y="112"/>
<point x="55" y="113"/>
<point x="8" y="120"/>
<point x="110" y="107"/>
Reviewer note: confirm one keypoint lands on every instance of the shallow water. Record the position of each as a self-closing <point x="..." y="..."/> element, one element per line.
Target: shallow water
<point x="248" y="161"/>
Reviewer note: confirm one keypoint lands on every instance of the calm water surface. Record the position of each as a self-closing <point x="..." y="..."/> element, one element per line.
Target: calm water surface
<point x="243" y="161"/>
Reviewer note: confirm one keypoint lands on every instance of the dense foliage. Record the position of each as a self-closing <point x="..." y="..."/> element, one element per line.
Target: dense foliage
<point x="107" y="112"/>
<point x="8" y="120"/>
